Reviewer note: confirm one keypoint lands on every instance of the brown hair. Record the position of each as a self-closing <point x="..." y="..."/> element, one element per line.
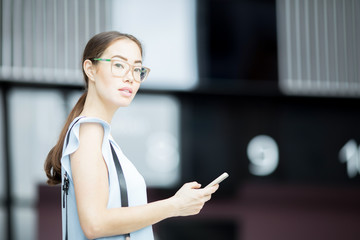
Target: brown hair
<point x="94" y="49"/>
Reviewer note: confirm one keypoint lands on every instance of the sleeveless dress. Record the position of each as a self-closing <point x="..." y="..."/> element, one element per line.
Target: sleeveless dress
<point x="136" y="186"/>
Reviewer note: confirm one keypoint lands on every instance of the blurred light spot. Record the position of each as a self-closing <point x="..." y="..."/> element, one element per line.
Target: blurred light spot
<point x="263" y="153"/>
<point x="162" y="152"/>
<point x="350" y="154"/>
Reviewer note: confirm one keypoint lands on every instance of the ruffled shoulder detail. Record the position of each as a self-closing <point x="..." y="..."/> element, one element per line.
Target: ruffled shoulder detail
<point x="72" y="140"/>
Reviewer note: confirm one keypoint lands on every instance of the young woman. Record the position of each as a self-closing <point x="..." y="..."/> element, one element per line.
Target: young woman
<point x="84" y="158"/>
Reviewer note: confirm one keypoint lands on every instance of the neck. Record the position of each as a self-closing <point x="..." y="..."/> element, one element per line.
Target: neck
<point x="95" y="107"/>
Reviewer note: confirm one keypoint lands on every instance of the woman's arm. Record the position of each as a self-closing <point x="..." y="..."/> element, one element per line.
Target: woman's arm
<point x="89" y="173"/>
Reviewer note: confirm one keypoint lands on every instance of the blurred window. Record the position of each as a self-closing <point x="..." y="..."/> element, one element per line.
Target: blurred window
<point x="319" y="52"/>
<point x="43" y="40"/>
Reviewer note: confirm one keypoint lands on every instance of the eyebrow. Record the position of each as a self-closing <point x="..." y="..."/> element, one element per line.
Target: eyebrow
<point x="137" y="61"/>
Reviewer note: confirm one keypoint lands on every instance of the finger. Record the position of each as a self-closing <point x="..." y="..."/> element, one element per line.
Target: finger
<point x="216" y="187"/>
<point x="193" y="185"/>
<point x="211" y="190"/>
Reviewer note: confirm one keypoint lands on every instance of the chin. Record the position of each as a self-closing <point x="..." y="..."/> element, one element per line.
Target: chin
<point x="120" y="101"/>
<point x="123" y="103"/>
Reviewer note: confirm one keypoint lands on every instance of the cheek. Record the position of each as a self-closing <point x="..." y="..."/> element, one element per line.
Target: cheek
<point x="104" y="80"/>
<point x="108" y="83"/>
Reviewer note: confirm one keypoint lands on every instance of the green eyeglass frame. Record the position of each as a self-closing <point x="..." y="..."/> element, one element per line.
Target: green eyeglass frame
<point x="120" y="68"/>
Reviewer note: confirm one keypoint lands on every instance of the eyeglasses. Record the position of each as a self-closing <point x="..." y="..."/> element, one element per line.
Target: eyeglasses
<point x="120" y="68"/>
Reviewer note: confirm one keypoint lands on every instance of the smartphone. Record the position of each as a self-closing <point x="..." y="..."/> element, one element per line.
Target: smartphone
<point x="219" y="179"/>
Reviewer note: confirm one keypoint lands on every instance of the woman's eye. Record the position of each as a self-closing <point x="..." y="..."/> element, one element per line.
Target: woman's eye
<point x="119" y="65"/>
<point x="137" y="70"/>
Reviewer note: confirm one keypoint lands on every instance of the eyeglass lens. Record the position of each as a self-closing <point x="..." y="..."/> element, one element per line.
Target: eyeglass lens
<point x="120" y="69"/>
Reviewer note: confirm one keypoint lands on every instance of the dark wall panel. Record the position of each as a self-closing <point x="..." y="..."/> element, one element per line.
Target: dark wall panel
<point x="237" y="41"/>
<point x="309" y="132"/>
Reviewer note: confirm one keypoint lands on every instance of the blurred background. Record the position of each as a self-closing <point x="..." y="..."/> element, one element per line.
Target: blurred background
<point x="265" y="90"/>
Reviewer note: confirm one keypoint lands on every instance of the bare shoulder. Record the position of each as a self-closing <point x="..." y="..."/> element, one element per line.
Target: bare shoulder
<point x="91" y="137"/>
<point x="91" y="132"/>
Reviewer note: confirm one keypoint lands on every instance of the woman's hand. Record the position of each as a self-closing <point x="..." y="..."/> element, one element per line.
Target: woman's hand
<point x="190" y="199"/>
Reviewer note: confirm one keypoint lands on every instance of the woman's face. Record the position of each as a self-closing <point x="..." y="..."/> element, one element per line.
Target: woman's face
<point x="114" y="90"/>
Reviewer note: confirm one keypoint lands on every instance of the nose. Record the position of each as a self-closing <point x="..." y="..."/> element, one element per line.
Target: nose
<point x="129" y="77"/>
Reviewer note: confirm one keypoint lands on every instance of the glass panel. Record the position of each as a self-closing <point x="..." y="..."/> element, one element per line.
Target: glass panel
<point x="36" y="119"/>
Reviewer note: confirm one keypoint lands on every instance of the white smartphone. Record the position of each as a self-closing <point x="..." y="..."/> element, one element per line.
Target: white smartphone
<point x="219" y="179"/>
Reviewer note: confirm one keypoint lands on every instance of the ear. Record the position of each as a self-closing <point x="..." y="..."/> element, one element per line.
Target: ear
<point x="89" y="69"/>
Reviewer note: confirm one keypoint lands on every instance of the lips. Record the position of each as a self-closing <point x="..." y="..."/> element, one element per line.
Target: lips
<point x="126" y="91"/>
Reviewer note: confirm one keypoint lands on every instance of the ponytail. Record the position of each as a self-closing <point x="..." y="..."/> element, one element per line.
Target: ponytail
<point x="52" y="164"/>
